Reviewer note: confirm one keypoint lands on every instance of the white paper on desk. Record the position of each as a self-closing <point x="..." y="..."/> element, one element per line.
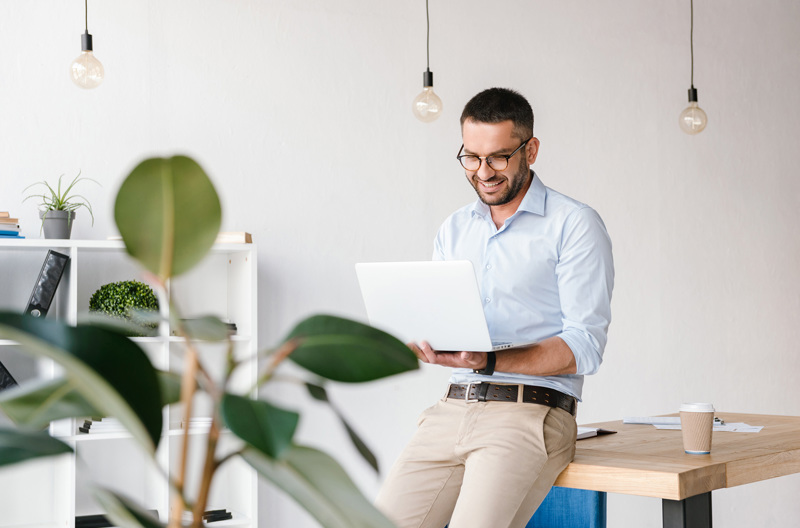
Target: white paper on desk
<point x="653" y="420"/>
<point x="739" y="427"/>
<point x="729" y="427"/>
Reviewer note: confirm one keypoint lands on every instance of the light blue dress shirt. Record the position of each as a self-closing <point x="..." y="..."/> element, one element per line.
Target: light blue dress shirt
<point x="548" y="271"/>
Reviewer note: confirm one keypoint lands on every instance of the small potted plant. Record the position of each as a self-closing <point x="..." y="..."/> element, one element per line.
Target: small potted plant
<point x="57" y="207"/>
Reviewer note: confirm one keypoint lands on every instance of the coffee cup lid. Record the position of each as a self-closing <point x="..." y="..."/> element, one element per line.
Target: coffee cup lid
<point x="697" y="407"/>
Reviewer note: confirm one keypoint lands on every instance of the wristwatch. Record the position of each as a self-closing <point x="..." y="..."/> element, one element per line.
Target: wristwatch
<point x="491" y="361"/>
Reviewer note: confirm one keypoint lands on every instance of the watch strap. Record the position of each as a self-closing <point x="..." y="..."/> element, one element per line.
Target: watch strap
<point x="491" y="361"/>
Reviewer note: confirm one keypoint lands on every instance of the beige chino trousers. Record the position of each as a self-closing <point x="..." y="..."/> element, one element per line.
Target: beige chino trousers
<point x="478" y="465"/>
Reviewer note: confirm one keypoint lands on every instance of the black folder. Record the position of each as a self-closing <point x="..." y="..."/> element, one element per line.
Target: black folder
<point x="6" y="379"/>
<point x="45" y="288"/>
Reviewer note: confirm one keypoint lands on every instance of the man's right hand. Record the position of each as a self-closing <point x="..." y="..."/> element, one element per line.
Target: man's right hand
<point x="426" y="354"/>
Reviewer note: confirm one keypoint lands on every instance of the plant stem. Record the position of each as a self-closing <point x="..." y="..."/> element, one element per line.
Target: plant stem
<point x="210" y="464"/>
<point x="188" y="384"/>
<point x="282" y="353"/>
<point x="209" y="468"/>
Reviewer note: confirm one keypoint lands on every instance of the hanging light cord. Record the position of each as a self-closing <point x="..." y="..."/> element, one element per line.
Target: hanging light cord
<point x="86" y="13"/>
<point x="428" y="19"/>
<point x="691" y="37"/>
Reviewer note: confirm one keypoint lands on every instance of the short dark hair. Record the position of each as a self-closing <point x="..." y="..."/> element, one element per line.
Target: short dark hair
<point x="501" y="104"/>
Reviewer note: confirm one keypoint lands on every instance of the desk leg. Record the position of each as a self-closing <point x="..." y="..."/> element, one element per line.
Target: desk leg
<point x="693" y="512"/>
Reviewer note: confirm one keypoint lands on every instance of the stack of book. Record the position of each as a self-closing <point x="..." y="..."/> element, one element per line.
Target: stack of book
<point x="99" y="520"/>
<point x="234" y="237"/>
<point x="209" y="516"/>
<point x="101" y="425"/>
<point x="9" y="227"/>
<point x="92" y="521"/>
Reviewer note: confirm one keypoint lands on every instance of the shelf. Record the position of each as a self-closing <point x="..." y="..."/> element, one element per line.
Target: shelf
<point x="39" y="243"/>
<point x="235" y="338"/>
<point x="197" y="430"/>
<point x="93" y="437"/>
<point x="101" y="245"/>
<point x="56" y="489"/>
<point x="147" y="340"/>
<point x="124" y="435"/>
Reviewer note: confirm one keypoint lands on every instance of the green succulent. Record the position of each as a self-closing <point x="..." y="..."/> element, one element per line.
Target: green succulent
<point x="123" y="299"/>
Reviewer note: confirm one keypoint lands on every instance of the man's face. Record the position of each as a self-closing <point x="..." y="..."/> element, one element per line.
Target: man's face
<point x="492" y="139"/>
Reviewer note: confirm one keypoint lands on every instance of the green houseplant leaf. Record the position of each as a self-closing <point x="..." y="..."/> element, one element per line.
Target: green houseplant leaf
<point x="123" y="512"/>
<point x="18" y="446"/>
<point x="206" y="328"/>
<point x="320" y="485"/>
<point x="110" y="371"/>
<point x="344" y="350"/>
<point x="37" y="403"/>
<point x="170" y="384"/>
<point x="123" y="326"/>
<point x="183" y="214"/>
<point x="319" y="393"/>
<point x="268" y="428"/>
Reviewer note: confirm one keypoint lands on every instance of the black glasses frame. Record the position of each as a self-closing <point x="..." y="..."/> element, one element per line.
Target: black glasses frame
<point x="489" y="159"/>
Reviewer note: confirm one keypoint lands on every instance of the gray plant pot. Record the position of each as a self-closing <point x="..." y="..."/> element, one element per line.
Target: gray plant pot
<point x="57" y="224"/>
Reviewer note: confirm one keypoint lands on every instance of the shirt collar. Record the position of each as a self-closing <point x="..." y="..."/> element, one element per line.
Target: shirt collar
<point x="533" y="202"/>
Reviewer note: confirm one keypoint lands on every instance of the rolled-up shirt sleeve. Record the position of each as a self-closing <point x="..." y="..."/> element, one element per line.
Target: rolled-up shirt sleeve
<point x="585" y="275"/>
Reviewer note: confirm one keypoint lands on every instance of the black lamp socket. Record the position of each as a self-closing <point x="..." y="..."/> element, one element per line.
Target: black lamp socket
<point x="692" y="94"/>
<point x="427" y="78"/>
<point x="86" y="42"/>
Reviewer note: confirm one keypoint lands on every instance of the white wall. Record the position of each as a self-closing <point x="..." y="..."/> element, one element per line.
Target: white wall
<point x="300" y="112"/>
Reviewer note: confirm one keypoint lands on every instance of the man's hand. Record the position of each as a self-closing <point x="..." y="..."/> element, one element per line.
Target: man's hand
<point x="551" y="357"/>
<point x="470" y="360"/>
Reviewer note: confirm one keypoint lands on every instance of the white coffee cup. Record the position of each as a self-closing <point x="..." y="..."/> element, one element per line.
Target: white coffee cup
<point x="697" y="424"/>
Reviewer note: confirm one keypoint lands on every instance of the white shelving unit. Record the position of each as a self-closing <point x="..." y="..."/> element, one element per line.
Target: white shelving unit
<point x="50" y="492"/>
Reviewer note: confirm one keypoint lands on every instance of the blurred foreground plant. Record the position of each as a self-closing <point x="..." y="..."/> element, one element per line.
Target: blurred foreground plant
<point x="168" y="214"/>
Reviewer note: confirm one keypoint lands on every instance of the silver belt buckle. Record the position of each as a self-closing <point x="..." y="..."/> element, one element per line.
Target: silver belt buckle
<point x="466" y="394"/>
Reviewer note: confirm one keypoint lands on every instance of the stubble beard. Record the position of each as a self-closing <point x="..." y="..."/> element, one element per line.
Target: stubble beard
<point x="516" y="184"/>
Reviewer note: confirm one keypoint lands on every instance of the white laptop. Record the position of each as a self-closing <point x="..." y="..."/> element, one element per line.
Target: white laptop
<point x="434" y="301"/>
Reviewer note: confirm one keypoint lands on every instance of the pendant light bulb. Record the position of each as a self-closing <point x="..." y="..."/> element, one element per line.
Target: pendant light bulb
<point x="693" y="119"/>
<point x="427" y="106"/>
<point x="86" y="71"/>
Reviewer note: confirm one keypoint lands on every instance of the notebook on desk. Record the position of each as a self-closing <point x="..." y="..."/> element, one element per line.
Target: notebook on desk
<point x="434" y="301"/>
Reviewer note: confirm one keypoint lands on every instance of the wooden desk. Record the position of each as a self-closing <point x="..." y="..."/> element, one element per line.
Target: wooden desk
<point x="643" y="460"/>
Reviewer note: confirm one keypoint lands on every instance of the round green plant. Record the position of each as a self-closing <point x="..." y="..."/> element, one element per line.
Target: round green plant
<point x="127" y="300"/>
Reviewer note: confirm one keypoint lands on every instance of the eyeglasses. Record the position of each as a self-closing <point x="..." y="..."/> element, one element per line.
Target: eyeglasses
<point x="498" y="162"/>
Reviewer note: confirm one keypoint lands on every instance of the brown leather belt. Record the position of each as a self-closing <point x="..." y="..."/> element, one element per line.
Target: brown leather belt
<point x="475" y="392"/>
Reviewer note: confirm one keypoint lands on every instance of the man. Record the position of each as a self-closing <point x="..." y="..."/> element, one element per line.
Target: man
<point x="545" y="271"/>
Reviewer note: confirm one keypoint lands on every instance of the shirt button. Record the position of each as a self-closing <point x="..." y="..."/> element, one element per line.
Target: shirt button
<point x="488" y="300"/>
<point x="488" y="266"/>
